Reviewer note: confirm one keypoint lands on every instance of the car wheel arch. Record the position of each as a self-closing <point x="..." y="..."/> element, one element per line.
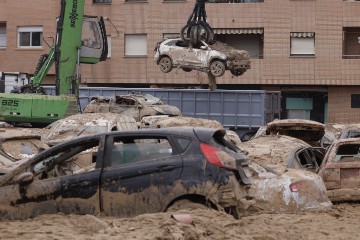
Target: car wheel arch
<point x="162" y="56"/>
<point x="194" y="198"/>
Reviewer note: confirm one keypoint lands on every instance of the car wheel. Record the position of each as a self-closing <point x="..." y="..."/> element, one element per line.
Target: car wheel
<point x="185" y="204"/>
<point x="165" y="64"/>
<point x="217" y="68"/>
<point x="187" y="69"/>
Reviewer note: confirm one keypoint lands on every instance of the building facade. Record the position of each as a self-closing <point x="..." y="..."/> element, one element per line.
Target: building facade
<point x="307" y="49"/>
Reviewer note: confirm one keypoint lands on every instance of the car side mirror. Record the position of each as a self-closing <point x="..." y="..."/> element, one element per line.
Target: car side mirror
<point x="25" y="178"/>
<point x="203" y="48"/>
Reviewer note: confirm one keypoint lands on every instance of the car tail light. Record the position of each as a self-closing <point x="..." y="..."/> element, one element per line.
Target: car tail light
<point x="296" y="186"/>
<point x="218" y="157"/>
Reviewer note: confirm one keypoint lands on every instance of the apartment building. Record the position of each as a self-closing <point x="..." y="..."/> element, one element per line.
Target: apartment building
<point x="307" y="49"/>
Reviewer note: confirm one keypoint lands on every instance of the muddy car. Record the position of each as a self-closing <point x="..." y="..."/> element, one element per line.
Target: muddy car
<point x="133" y="105"/>
<point x="286" y="180"/>
<point x="215" y="58"/>
<point x="86" y="124"/>
<point x="341" y="170"/>
<point x="278" y="190"/>
<point x="128" y="173"/>
<point x="306" y="130"/>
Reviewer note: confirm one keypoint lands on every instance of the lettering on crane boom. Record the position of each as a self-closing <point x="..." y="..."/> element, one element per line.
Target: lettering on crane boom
<point x="73" y="16"/>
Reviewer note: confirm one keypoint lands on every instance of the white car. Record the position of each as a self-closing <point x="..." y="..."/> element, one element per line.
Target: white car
<point x="216" y="58"/>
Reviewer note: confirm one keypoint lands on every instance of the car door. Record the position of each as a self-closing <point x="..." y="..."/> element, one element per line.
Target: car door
<point x="197" y="56"/>
<point x="341" y="172"/>
<point x="61" y="179"/>
<point x="140" y="175"/>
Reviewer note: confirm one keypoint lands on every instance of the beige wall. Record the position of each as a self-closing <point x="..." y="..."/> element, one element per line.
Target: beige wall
<point x="340" y="110"/>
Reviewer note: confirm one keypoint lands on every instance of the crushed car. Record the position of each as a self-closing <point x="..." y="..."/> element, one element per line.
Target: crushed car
<point x="128" y="173"/>
<point x="215" y="59"/>
<point x="86" y="124"/>
<point x="280" y="182"/>
<point x="341" y="170"/>
<point x="133" y="105"/>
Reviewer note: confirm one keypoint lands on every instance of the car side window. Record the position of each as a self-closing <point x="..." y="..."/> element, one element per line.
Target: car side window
<point x="183" y="143"/>
<point x="128" y="151"/>
<point x="307" y="159"/>
<point x="348" y="152"/>
<point x="67" y="161"/>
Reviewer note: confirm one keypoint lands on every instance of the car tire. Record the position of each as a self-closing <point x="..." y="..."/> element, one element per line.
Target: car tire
<point x="217" y="68"/>
<point x="187" y="69"/>
<point x="185" y="204"/>
<point x="165" y="64"/>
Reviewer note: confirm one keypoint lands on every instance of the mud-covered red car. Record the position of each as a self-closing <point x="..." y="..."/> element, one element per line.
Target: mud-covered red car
<point x="128" y="173"/>
<point x="133" y="105"/>
<point x="216" y="58"/>
<point x="340" y="170"/>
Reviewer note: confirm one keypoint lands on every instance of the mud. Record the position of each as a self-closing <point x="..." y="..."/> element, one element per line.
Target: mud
<point x="340" y="222"/>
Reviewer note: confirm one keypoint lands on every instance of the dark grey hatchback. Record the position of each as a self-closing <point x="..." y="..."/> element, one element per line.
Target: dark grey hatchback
<point x="128" y="173"/>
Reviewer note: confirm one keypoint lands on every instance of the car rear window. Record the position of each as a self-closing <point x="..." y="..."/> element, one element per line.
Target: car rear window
<point x="348" y="152"/>
<point x="139" y="150"/>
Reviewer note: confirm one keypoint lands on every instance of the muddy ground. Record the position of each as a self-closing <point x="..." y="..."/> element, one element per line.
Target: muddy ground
<point x="340" y="222"/>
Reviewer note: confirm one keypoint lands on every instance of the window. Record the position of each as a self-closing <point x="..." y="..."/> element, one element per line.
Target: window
<point x="302" y="43"/>
<point x="250" y="39"/>
<point x="30" y="36"/>
<point x="348" y="152"/>
<point x="351" y="43"/>
<point x="135" y="0"/>
<point x="125" y="151"/>
<point x="135" y="45"/>
<point x="102" y="1"/>
<point x="2" y="35"/>
<point x="67" y="161"/>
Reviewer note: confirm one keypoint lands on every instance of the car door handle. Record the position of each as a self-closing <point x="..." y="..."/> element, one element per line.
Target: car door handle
<point x="165" y="168"/>
<point x="79" y="185"/>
